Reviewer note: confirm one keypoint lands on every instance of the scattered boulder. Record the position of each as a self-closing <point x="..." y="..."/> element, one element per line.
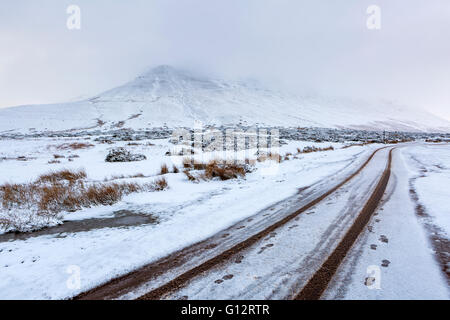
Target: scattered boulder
<point x="123" y="155"/>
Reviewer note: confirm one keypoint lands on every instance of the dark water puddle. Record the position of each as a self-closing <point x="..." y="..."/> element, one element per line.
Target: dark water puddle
<point x="121" y="219"/>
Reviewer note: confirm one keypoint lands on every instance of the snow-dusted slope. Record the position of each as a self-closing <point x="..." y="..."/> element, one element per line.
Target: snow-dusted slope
<point x="166" y="96"/>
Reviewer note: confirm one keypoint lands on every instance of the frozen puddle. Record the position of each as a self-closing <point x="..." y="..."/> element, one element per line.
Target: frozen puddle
<point x="119" y="219"/>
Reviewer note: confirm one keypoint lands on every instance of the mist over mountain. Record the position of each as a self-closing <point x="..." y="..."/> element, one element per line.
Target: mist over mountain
<point x="165" y="96"/>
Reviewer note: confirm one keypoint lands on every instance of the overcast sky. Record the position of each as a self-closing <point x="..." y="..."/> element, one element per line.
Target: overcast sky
<point x="318" y="46"/>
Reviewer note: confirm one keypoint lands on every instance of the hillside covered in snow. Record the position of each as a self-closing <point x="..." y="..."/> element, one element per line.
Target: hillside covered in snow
<point x="164" y="96"/>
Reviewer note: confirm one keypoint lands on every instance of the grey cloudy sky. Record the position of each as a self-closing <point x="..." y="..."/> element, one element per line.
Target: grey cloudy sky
<point x="305" y="46"/>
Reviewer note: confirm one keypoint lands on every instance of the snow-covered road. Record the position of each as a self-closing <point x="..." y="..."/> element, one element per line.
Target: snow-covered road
<point x="406" y="248"/>
<point x="402" y="254"/>
<point x="279" y="265"/>
<point x="40" y="266"/>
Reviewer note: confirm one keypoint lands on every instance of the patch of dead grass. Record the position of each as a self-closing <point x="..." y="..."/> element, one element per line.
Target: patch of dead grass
<point x="164" y="169"/>
<point x="67" y="190"/>
<point x="160" y="184"/>
<point x="74" y="146"/>
<point x="310" y="149"/>
<point x="269" y="156"/>
<point x="223" y="171"/>
<point x="65" y="174"/>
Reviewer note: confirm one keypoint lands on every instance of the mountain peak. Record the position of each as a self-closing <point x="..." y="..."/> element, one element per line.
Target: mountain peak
<point x="159" y="71"/>
<point x="164" y="95"/>
<point x="164" y="68"/>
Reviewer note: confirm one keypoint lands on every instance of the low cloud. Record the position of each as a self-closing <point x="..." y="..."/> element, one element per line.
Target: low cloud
<point x="319" y="47"/>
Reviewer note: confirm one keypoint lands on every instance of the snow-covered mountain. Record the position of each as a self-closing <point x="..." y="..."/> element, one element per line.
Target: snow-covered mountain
<point x="166" y="96"/>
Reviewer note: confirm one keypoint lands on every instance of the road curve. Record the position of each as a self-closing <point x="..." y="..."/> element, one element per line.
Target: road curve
<point x="120" y="286"/>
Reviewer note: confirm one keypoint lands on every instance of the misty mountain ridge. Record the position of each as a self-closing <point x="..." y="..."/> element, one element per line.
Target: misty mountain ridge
<point x="165" y="96"/>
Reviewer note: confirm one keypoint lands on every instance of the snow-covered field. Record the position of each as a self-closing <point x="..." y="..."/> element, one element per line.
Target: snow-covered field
<point x="43" y="264"/>
<point x="430" y="178"/>
<point x="36" y="266"/>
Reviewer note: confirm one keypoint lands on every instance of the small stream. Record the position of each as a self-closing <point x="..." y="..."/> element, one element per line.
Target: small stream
<point x="121" y="219"/>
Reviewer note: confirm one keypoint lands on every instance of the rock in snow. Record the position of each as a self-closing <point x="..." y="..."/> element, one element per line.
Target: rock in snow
<point x="123" y="155"/>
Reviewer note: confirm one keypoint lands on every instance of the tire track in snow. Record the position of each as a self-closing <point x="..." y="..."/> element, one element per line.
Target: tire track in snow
<point x="184" y="278"/>
<point x="120" y="286"/>
<point x="319" y="281"/>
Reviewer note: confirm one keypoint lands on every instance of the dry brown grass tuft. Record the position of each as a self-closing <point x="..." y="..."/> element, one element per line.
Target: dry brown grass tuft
<point x="164" y="169"/>
<point x="175" y="169"/>
<point x="13" y="194"/>
<point x="56" y="196"/>
<point x="65" y="174"/>
<point x="310" y="149"/>
<point x="225" y="171"/>
<point x="190" y="176"/>
<point x="160" y="184"/>
<point x="108" y="194"/>
<point x="74" y="146"/>
<point x="250" y="162"/>
<point x="269" y="156"/>
<point x="215" y="169"/>
<point x="438" y="140"/>
<point x="118" y="177"/>
<point x="67" y="190"/>
<point x="199" y="166"/>
<point x="187" y="163"/>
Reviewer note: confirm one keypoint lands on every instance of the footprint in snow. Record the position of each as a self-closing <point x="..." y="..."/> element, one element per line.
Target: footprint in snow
<point x="384" y="239"/>
<point x="265" y="247"/>
<point x="385" y="263"/>
<point x="271" y="235"/>
<point x="369" y="281"/>
<point x="228" y="277"/>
